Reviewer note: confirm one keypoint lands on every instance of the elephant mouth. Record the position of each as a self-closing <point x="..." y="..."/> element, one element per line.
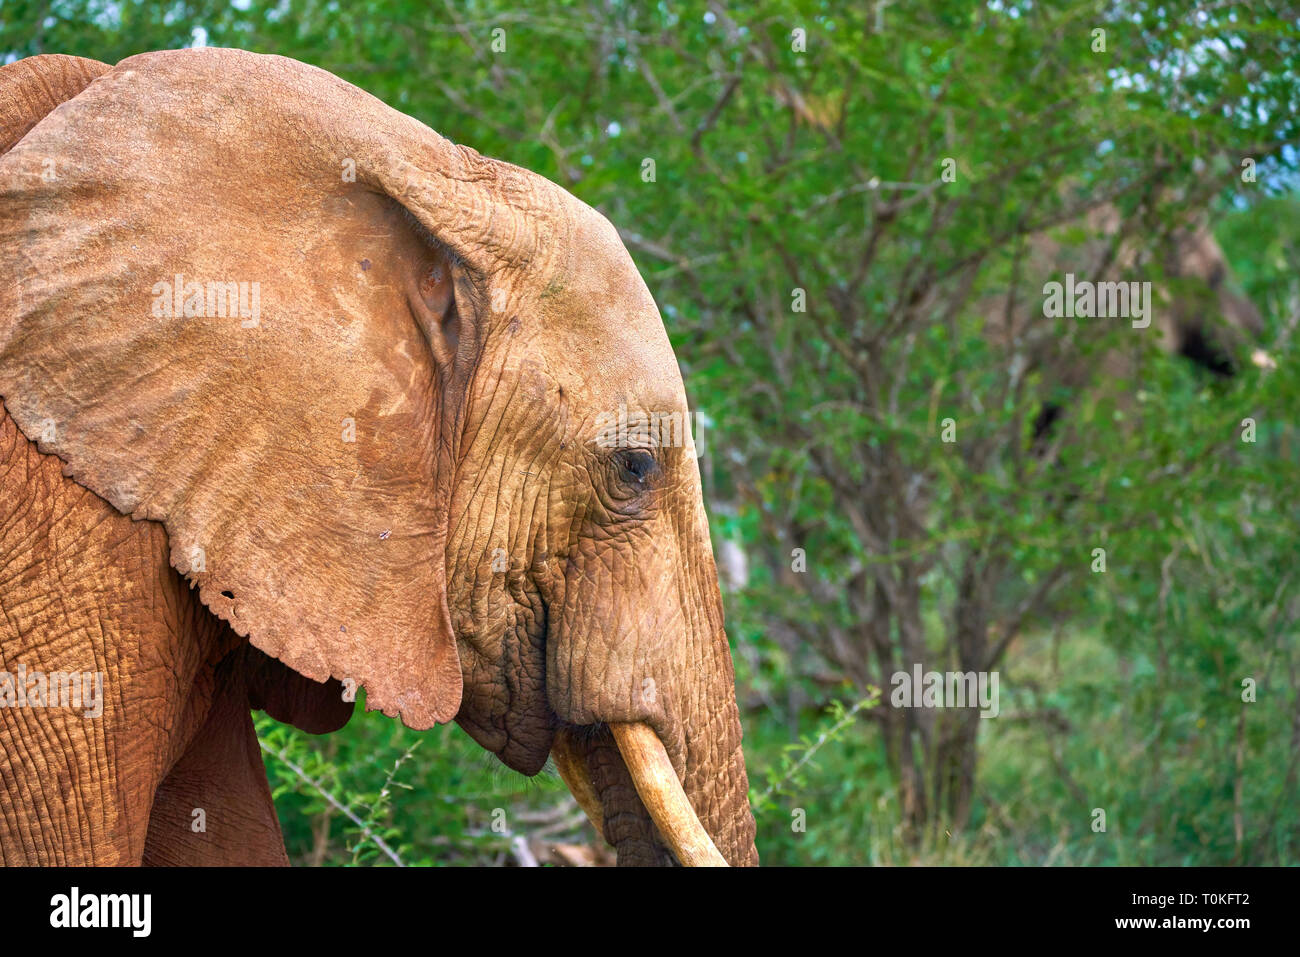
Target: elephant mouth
<point x="619" y="773"/>
<point x="623" y="780"/>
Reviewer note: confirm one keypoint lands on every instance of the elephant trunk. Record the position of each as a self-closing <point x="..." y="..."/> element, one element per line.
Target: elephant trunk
<point x="671" y="785"/>
<point x="716" y="781"/>
<point x="640" y="676"/>
<point x="702" y="718"/>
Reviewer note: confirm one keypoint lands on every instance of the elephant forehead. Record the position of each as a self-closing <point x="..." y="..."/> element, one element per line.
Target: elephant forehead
<point x="626" y="360"/>
<point x="603" y="324"/>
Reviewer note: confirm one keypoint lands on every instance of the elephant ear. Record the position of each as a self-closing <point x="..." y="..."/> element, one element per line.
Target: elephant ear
<point x="244" y="302"/>
<point x="31" y="88"/>
<point x="288" y="697"/>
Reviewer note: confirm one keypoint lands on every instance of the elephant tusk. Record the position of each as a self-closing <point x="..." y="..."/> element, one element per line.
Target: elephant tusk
<point x="572" y="766"/>
<point x="661" y="793"/>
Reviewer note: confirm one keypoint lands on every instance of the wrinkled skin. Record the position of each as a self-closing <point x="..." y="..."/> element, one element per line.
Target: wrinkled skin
<point x="84" y="588"/>
<point x="389" y="475"/>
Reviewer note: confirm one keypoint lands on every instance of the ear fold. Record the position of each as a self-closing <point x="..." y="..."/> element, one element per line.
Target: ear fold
<point x="433" y="306"/>
<point x="222" y="318"/>
<point x="31" y="88"/>
<point x="288" y="697"/>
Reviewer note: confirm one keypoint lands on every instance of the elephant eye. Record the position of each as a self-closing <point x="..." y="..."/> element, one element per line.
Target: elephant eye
<point x="635" y="465"/>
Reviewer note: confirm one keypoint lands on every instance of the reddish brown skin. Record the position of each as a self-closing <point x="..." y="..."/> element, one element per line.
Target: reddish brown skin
<point x="84" y="588"/>
<point x="472" y="320"/>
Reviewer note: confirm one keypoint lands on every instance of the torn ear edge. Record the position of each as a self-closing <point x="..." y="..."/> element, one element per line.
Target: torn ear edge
<point x="356" y="602"/>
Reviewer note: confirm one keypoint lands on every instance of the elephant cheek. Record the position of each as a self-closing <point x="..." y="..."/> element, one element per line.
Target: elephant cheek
<point x="504" y="706"/>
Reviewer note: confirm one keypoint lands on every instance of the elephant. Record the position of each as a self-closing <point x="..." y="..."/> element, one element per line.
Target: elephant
<point x="1200" y="315"/>
<point x="301" y="398"/>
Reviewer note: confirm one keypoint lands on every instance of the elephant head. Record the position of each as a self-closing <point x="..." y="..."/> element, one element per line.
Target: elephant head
<point x="1199" y="314"/>
<point x="364" y="377"/>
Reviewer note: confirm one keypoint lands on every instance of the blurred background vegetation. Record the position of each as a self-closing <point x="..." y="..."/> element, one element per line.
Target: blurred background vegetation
<point x="799" y="156"/>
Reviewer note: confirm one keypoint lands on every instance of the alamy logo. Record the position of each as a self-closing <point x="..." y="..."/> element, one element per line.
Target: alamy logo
<point x="1085" y="299"/>
<point x="946" y="689"/>
<point x="133" y="911"/>
<point x="212" y="300"/>
<point x="57" y="689"/>
<point x="654" y="430"/>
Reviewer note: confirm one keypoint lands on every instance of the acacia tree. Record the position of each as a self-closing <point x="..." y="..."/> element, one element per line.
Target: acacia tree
<point x="847" y="206"/>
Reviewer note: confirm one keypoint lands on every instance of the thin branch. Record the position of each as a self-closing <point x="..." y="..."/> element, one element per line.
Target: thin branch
<point x="334" y="802"/>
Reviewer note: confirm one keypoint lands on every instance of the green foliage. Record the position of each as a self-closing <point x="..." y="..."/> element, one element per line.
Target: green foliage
<point x="376" y="791"/>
